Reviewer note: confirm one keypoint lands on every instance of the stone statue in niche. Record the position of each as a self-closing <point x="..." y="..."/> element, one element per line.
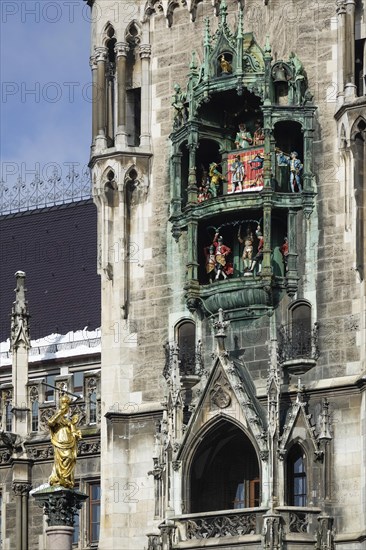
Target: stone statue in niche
<point x="295" y="165"/>
<point x="238" y="175"/>
<point x="226" y="67"/>
<point x="243" y="138"/>
<point x="299" y="77"/>
<point x="247" y="240"/>
<point x="179" y="102"/>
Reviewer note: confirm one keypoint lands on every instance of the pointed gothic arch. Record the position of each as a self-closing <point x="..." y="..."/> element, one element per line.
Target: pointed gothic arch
<point x="224" y="469"/>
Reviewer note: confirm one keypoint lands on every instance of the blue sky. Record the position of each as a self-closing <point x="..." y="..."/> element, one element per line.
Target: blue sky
<point x="45" y="47"/>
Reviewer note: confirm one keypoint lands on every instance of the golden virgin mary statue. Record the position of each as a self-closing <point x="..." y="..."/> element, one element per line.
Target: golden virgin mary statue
<point x="64" y="438"/>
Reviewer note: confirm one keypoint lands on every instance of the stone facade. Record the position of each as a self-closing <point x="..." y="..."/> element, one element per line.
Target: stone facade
<point x="151" y="284"/>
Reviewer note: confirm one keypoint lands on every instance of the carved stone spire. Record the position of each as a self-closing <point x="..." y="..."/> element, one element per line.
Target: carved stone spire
<point x="20" y="316"/>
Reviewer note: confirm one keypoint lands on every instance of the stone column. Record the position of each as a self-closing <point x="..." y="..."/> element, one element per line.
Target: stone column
<point x="350" y="87"/>
<point x="17" y="489"/>
<point x="176" y="167"/>
<point x="145" y="54"/>
<point x="267" y="217"/>
<point x="307" y="160"/>
<point x="60" y="505"/>
<point x="21" y="490"/>
<point x="121" y="50"/>
<point x="192" y="178"/>
<point x="291" y="276"/>
<point x="341" y="46"/>
<point x="101" y="58"/>
<point x="110" y="98"/>
<point x="93" y="66"/>
<point x="192" y="264"/>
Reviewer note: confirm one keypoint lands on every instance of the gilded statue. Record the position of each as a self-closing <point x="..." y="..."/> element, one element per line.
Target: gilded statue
<point x="225" y="65"/>
<point x="64" y="439"/>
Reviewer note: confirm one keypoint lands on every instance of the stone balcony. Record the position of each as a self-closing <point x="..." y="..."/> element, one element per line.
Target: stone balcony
<point x="233" y="527"/>
<point x="251" y="528"/>
<point x="298" y="348"/>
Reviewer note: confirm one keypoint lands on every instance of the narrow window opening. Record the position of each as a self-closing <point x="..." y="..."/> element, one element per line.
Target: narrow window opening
<point x="133" y="118"/>
<point x="360" y="71"/>
<point x="297" y="482"/>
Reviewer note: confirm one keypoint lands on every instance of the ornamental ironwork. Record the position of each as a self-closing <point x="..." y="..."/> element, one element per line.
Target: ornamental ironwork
<point x="220" y="526"/>
<point x="42" y="193"/>
<point x="298" y="341"/>
<point x="190" y="359"/>
<point x="299" y="522"/>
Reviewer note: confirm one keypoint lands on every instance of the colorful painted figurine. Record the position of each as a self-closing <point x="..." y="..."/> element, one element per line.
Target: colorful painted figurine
<point x="216" y="177"/>
<point x="248" y="247"/>
<point x="238" y="175"/>
<point x="210" y="262"/>
<point x="259" y="256"/>
<point x="223" y="268"/>
<point x="243" y="138"/>
<point x="284" y="251"/>
<point x="204" y="188"/>
<point x="296" y="167"/>
<point x="258" y="136"/>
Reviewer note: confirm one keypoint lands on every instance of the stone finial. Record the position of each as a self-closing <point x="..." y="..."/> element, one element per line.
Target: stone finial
<point x="20" y="316"/>
<point x="207" y="39"/>
<point x="220" y="326"/>
<point x="223" y="12"/>
<point x="240" y="25"/>
<point x="267" y="46"/>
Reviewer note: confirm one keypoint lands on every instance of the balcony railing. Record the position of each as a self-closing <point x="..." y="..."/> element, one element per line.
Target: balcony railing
<point x="189" y="358"/>
<point x="298" y="341"/>
<point x="300" y="520"/>
<point x="306" y="527"/>
<point x="229" y="523"/>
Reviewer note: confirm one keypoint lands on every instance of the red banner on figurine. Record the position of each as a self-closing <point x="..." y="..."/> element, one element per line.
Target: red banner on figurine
<point x="245" y="170"/>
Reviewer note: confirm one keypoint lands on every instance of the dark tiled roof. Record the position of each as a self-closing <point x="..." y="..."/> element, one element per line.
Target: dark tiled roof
<point x="57" y="249"/>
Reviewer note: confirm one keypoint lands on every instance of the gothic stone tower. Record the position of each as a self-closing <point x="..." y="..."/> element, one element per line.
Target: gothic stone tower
<point x="228" y="165"/>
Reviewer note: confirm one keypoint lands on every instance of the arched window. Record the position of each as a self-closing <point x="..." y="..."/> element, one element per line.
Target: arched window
<point x="186" y="340"/>
<point x="224" y="472"/>
<point x="300" y="329"/>
<point x="296" y="477"/>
